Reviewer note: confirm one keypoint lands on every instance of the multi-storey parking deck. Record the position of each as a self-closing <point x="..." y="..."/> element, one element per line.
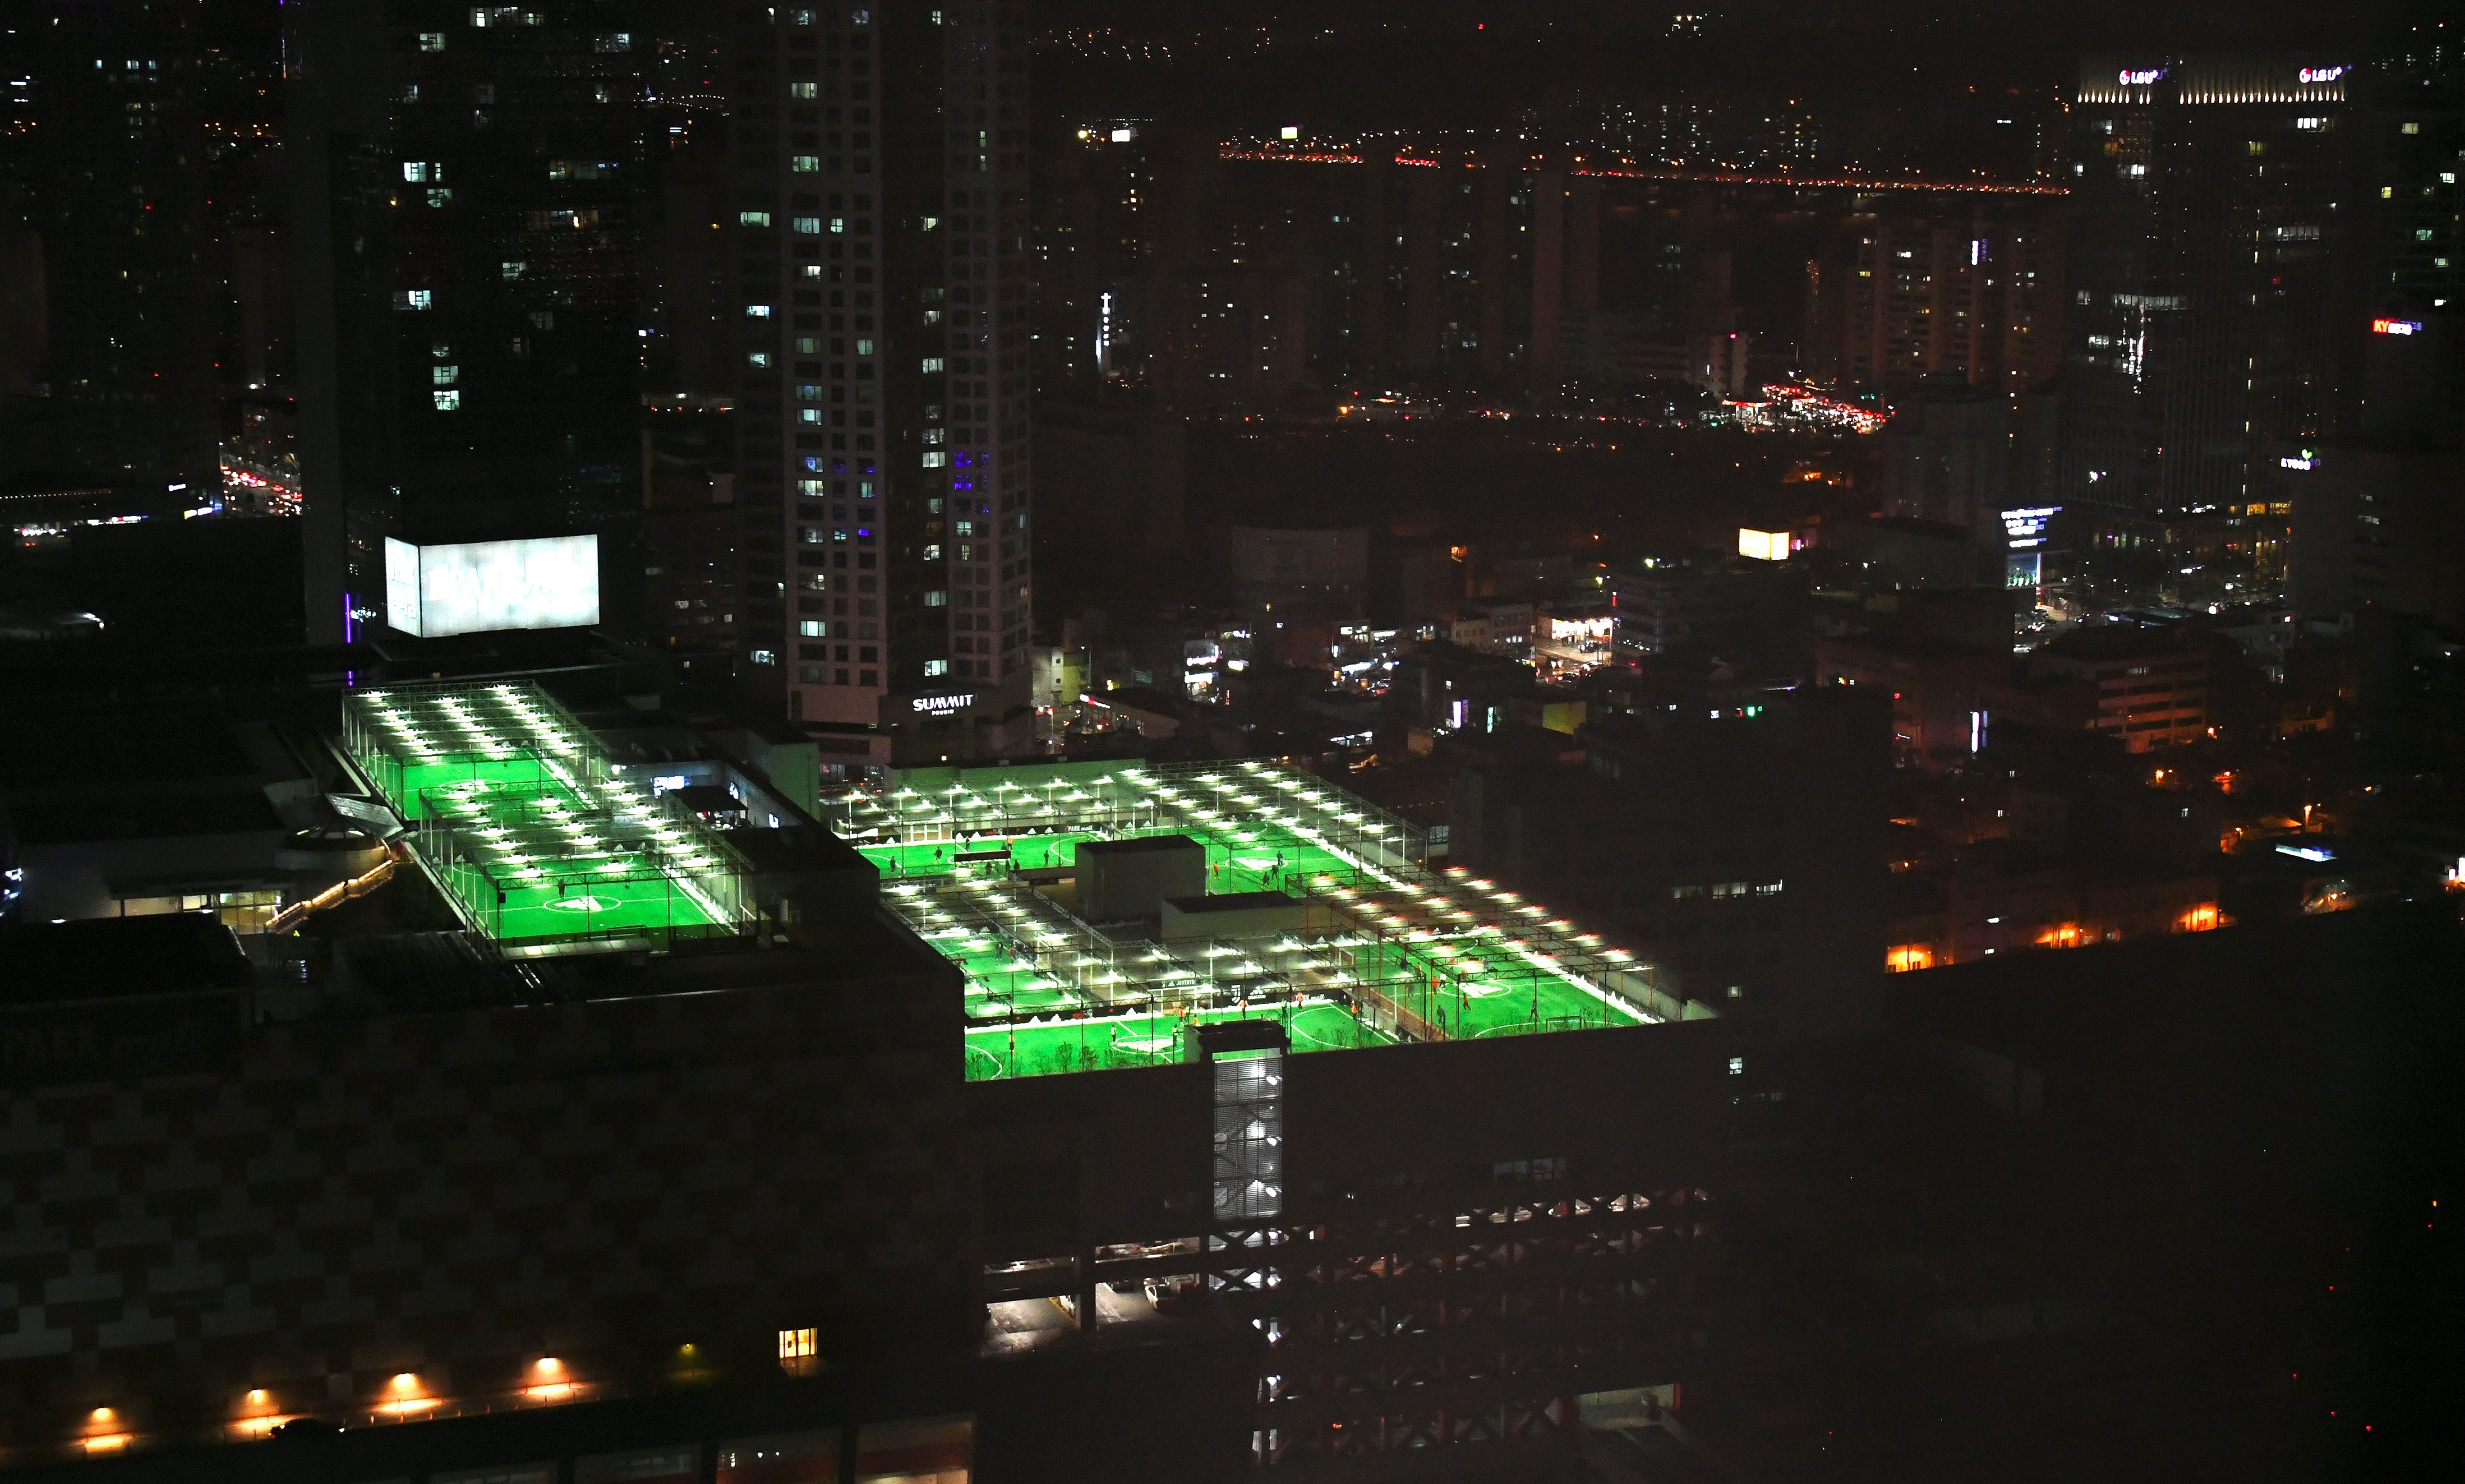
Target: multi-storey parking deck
<point x="1392" y="948"/>
<point x="525" y="824"/>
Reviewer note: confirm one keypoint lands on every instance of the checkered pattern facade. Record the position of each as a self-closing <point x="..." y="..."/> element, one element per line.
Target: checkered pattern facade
<point x="453" y="1195"/>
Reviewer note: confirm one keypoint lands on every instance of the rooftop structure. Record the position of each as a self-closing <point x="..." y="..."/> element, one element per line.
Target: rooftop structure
<point x="981" y="863"/>
<point x="524" y="823"/>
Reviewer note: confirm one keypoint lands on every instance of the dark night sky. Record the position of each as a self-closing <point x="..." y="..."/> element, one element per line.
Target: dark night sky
<point x="1477" y="61"/>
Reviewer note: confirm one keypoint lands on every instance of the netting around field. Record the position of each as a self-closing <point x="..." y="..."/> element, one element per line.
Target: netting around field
<point x="1103" y="1043"/>
<point x="1382" y="946"/>
<point x="1483" y="990"/>
<point x="521" y="817"/>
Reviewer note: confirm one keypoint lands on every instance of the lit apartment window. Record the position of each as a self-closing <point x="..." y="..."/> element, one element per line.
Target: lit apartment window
<point x="432" y="41"/>
<point x="753" y="218"/>
<point x="804" y="164"/>
<point x="448" y="401"/>
<point x="802" y="90"/>
<point x="810" y="226"/>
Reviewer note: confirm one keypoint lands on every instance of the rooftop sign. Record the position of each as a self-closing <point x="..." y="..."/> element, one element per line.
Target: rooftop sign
<point x="2026" y="528"/>
<point x="483" y="586"/>
<point x="1762" y="545"/>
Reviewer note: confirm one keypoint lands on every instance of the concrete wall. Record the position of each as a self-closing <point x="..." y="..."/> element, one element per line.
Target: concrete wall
<point x="1121" y="879"/>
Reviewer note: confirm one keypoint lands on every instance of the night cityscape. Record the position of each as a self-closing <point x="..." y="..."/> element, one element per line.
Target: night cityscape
<point x="1230" y="741"/>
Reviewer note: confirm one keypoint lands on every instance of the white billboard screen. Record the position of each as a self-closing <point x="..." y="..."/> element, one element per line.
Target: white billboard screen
<point x="479" y="587"/>
<point x="1762" y="545"/>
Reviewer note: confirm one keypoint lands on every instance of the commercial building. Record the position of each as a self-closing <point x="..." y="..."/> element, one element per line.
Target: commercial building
<point x="1942" y="693"/>
<point x="2151" y="683"/>
<point x="1343" y="973"/>
<point x="1745" y="853"/>
<point x="931" y="1224"/>
<point x="467" y="260"/>
<point x="2378" y="527"/>
<point x="2211" y="273"/>
<point x="1315" y="575"/>
<point x="880" y="237"/>
<point x="1733" y="609"/>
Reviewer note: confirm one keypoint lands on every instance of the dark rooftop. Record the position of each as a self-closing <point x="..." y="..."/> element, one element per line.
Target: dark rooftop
<point x="117" y="958"/>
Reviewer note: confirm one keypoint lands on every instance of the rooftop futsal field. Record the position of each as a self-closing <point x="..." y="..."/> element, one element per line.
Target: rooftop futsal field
<point x="519" y="818"/>
<point x="979" y="862"/>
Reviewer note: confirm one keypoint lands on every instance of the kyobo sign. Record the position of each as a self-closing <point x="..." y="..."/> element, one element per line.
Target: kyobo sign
<point x="942" y="705"/>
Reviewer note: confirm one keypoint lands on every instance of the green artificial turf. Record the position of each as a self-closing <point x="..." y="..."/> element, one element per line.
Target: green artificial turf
<point x="1097" y="1044"/>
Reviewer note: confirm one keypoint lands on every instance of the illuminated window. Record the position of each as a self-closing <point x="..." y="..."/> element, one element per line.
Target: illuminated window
<point x="796" y="1349"/>
<point x="932" y="363"/>
<point x="440" y="196"/>
<point x="935" y="460"/>
<point x="448" y="401"/>
<point x="937" y="666"/>
<point x="864" y="347"/>
<point x="804" y="164"/>
<point x="513" y="271"/>
<point x="808" y="345"/>
<point x="414" y="298"/>
<point x="801" y="90"/>
<point x="809" y="225"/>
<point x="432" y="41"/>
<point x="813" y="629"/>
<point x="445" y="375"/>
<point x="757" y="311"/>
<point x="419" y="172"/>
<point x="753" y="218"/>
<point x="757" y="358"/>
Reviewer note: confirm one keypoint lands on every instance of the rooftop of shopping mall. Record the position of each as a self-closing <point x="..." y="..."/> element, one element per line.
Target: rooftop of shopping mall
<point x="1098" y="911"/>
<point x="1373" y="945"/>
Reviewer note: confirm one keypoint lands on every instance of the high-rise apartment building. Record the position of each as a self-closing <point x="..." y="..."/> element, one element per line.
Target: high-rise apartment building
<point x="1917" y="297"/>
<point x="122" y="348"/>
<point x="469" y="182"/>
<point x="2210" y="272"/>
<point x="882" y="453"/>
